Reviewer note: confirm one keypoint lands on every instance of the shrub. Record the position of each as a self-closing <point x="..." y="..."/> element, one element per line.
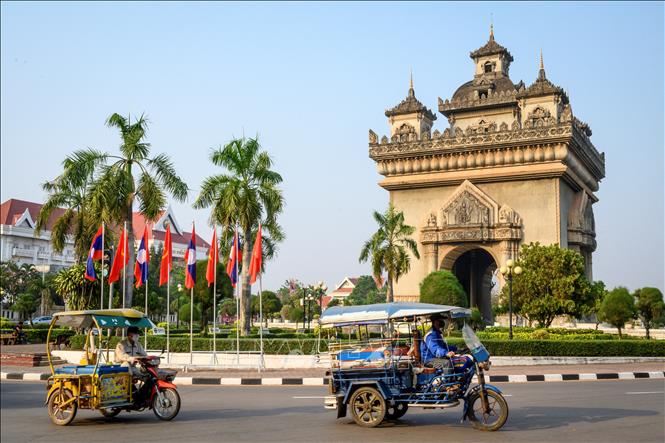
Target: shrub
<point x="442" y="288"/>
<point x="617" y="308"/>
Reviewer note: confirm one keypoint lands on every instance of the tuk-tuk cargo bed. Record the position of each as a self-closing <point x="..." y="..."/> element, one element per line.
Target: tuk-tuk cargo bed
<point x="89" y="369"/>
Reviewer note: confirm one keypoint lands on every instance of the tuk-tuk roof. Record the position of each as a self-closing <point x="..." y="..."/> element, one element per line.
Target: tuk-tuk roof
<point x="383" y="312"/>
<point x="106" y="318"/>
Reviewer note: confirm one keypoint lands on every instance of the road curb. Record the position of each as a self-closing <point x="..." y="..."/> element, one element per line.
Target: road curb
<point x="321" y="381"/>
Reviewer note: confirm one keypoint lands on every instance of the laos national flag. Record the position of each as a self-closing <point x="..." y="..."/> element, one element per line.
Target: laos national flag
<point x="190" y="262"/>
<point x="142" y="259"/>
<point x="96" y="253"/>
<point x="234" y="258"/>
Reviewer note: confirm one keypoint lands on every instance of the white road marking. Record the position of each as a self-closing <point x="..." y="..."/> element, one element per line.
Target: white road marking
<point x="645" y="392"/>
<point x="319" y="397"/>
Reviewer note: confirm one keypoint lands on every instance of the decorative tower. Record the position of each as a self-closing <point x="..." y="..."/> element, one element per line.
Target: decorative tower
<point x="410" y="120"/>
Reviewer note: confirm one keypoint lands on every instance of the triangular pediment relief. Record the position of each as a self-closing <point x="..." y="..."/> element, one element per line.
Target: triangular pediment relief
<point x="168" y="218"/>
<point x="469" y="206"/>
<point x="25" y="220"/>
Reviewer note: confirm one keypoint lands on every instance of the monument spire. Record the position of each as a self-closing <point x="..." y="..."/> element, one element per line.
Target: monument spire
<point x="491" y="27"/>
<point x="411" y="91"/>
<point x="541" y="71"/>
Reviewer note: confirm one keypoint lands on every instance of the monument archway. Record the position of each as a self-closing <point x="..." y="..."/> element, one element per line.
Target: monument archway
<point x="474" y="267"/>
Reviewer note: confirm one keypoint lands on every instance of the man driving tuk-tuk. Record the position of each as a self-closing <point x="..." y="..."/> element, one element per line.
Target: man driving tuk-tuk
<point x="128" y="350"/>
<point x="435" y="352"/>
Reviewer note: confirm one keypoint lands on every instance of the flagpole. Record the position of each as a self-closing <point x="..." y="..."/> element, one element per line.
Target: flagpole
<point x="101" y="298"/>
<point x="124" y="273"/>
<point x="261" y="361"/>
<point x="168" y="313"/>
<point x="238" y="283"/>
<point x="145" y="245"/>
<point x="214" y="301"/>
<point x="191" y="311"/>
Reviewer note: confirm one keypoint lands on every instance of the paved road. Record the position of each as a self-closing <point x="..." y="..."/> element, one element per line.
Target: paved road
<point x="599" y="411"/>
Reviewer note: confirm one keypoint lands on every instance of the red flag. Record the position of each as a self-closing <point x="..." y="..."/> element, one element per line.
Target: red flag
<point x="213" y="258"/>
<point x="167" y="258"/>
<point x="257" y="257"/>
<point x="142" y="260"/>
<point x="190" y="262"/>
<point x="121" y="258"/>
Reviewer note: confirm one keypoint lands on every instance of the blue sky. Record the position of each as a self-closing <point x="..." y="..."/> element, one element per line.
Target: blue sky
<point x="310" y="79"/>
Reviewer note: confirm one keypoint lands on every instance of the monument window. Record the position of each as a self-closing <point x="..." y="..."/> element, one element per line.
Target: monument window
<point x="489" y="67"/>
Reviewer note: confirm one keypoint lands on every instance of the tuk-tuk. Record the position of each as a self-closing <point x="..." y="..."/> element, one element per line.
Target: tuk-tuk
<point x="377" y="372"/>
<point x="96" y="383"/>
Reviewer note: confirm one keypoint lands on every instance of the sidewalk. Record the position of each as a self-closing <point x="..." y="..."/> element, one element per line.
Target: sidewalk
<point x="317" y="377"/>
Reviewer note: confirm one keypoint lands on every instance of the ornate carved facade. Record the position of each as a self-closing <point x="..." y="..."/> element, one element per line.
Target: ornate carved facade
<point x="514" y="165"/>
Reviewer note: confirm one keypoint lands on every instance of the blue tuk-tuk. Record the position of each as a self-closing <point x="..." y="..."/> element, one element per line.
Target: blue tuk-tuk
<point x="376" y="369"/>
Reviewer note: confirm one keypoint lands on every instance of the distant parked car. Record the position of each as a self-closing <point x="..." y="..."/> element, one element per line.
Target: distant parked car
<point x="46" y="319"/>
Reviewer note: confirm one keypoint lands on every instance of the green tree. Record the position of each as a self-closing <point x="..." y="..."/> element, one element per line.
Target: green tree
<point x="123" y="180"/>
<point x="334" y="302"/>
<point x="617" y="308"/>
<point x="553" y="283"/>
<point x="227" y="307"/>
<point x="184" y="313"/>
<point x="18" y="279"/>
<point x="366" y="292"/>
<point x="285" y="312"/>
<point x="77" y="292"/>
<point x="248" y="193"/>
<point x="296" y="315"/>
<point x="443" y="288"/>
<point x="389" y="247"/>
<point x="203" y="294"/>
<point x="650" y="307"/>
<point x="25" y="305"/>
<point x="271" y="305"/>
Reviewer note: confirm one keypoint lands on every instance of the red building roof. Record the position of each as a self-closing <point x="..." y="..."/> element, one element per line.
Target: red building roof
<point x="12" y="210"/>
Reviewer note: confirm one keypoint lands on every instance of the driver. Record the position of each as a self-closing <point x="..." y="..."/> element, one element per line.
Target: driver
<point x="128" y="349"/>
<point x="434" y="350"/>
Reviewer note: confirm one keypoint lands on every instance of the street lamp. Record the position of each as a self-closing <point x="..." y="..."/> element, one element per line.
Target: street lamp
<point x="509" y="271"/>
<point x="178" y="313"/>
<point x="309" y="309"/>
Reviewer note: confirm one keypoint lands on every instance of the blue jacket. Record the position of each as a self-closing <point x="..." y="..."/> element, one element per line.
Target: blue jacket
<point x="434" y="346"/>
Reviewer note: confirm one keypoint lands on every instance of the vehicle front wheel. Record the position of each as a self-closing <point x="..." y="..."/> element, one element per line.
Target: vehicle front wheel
<point x="492" y="419"/>
<point x="62" y="407"/>
<point x="368" y="407"/>
<point x="397" y="411"/>
<point x="166" y="406"/>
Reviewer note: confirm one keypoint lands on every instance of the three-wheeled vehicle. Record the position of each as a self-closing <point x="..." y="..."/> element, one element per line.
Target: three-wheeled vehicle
<point x="99" y="384"/>
<point x="376" y="370"/>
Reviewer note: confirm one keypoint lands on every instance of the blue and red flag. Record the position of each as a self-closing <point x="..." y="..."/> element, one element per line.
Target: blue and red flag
<point x="142" y="259"/>
<point x="190" y="262"/>
<point x="234" y="258"/>
<point x="96" y="253"/>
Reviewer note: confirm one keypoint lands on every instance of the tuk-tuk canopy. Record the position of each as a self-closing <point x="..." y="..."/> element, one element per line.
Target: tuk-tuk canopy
<point x="384" y="312"/>
<point x="106" y="318"/>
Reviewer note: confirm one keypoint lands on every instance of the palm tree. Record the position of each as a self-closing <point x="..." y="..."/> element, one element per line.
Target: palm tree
<point x="246" y="194"/>
<point x="69" y="193"/>
<point x="389" y="247"/>
<point x="121" y="180"/>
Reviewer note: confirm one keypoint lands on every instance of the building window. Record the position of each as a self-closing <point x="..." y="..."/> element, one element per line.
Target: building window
<point x="489" y="67"/>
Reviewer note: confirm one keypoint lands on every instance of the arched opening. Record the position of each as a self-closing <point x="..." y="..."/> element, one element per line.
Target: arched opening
<point x="475" y="271"/>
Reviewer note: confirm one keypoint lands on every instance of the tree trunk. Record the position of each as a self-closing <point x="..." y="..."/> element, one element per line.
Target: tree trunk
<point x="129" y="296"/>
<point x="389" y="291"/>
<point x="620" y="336"/>
<point x="245" y="295"/>
<point x="646" y="326"/>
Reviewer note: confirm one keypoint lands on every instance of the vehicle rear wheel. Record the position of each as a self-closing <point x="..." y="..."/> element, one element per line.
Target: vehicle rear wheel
<point x="397" y="411"/>
<point x="368" y="407"/>
<point x="494" y="418"/>
<point x="168" y="406"/>
<point x="110" y="412"/>
<point x="62" y="415"/>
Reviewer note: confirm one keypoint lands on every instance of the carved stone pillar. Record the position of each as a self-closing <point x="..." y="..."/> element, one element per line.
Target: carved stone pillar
<point x="431" y="258"/>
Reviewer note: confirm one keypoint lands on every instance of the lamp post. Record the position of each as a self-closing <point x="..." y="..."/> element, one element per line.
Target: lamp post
<point x="178" y="313"/>
<point x="508" y="271"/>
<point x="309" y="310"/>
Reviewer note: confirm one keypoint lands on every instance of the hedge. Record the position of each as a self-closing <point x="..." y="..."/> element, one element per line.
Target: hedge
<point x="536" y="348"/>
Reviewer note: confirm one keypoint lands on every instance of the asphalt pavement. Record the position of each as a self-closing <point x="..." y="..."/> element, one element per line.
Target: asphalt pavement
<point x="598" y="411"/>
